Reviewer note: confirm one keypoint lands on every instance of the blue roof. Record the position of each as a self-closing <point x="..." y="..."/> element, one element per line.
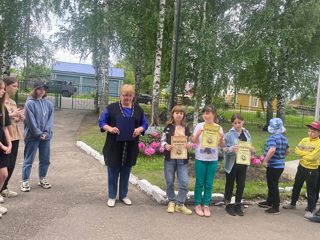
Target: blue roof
<point x="80" y="68"/>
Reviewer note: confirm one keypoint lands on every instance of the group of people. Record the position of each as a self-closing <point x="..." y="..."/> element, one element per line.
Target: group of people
<point x="37" y="118"/>
<point x="121" y="155"/>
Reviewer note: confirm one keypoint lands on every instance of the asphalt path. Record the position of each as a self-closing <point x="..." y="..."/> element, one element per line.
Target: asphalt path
<point x="76" y="205"/>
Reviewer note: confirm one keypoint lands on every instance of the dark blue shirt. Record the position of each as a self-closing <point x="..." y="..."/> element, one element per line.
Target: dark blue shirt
<point x="280" y="143"/>
<point x="127" y="111"/>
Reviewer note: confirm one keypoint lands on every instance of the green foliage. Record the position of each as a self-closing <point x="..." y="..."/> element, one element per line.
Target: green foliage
<point x="258" y="114"/>
<point x="36" y="71"/>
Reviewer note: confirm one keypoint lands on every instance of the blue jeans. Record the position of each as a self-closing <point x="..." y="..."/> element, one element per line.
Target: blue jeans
<point x="205" y="172"/>
<point x="30" y="150"/>
<point x="113" y="175"/>
<point x="170" y="167"/>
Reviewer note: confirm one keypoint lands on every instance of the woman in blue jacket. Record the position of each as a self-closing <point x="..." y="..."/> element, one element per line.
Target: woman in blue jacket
<point x="37" y="134"/>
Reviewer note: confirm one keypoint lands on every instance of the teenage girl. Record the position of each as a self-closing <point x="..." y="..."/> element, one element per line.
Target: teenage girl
<point x="235" y="172"/>
<point x="37" y="134"/>
<point x="5" y="141"/>
<point x="176" y="126"/>
<point x="206" y="162"/>
<point x="16" y="115"/>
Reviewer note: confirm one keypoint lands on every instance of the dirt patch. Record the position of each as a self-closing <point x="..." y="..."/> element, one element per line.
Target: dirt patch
<point x="255" y="173"/>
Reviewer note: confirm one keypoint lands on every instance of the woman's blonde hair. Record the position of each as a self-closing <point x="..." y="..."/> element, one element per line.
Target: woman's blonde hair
<point x="177" y="109"/>
<point x="2" y="100"/>
<point x="127" y="89"/>
<point x="33" y="93"/>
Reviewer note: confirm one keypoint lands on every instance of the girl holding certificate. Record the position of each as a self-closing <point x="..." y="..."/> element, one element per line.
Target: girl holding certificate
<point x="235" y="170"/>
<point x="208" y="135"/>
<point x="175" y="160"/>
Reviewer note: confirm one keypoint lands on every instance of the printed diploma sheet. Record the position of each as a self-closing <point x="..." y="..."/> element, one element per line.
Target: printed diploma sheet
<point x="210" y="136"/>
<point x="243" y="154"/>
<point x="179" y="151"/>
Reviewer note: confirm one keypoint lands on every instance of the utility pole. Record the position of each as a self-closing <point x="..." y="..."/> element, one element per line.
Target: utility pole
<point x="175" y="57"/>
<point x="316" y="117"/>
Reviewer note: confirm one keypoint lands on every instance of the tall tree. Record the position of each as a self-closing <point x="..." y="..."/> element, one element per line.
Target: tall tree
<point x="21" y="23"/>
<point x="283" y="38"/>
<point x="157" y="69"/>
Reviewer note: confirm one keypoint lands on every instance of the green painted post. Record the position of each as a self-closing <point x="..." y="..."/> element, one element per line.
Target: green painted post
<point x="302" y="119"/>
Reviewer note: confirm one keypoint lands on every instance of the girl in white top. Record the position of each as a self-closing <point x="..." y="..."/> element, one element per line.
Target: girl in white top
<point x="206" y="162"/>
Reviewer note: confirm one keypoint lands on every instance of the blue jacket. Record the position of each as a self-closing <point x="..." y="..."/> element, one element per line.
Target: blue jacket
<point x="230" y="140"/>
<point x="39" y="119"/>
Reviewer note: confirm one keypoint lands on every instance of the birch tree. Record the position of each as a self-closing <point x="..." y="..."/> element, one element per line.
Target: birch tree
<point x="157" y="69"/>
<point x="105" y="61"/>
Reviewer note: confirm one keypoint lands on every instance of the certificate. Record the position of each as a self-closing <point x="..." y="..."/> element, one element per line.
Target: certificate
<point x="243" y="154"/>
<point x="179" y="150"/>
<point x="126" y="128"/>
<point x="210" y="135"/>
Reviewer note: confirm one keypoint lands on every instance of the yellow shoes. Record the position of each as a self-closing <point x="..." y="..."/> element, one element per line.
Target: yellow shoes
<point x="183" y="209"/>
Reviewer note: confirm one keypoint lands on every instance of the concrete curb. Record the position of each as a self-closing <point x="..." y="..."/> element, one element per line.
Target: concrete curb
<point x="157" y="193"/>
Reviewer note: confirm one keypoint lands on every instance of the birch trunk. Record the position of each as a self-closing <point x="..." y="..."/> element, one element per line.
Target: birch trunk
<point x="137" y="74"/>
<point x="157" y="69"/>
<point x="105" y="63"/>
<point x="6" y="60"/>
<point x="281" y="98"/>
<point x="175" y="31"/>
<point x="269" y="112"/>
<point x="96" y="88"/>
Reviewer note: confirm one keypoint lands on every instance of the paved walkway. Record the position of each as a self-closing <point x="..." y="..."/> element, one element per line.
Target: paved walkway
<point x="75" y="207"/>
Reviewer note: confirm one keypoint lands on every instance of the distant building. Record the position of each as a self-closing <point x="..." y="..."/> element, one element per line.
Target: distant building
<point x="83" y="75"/>
<point x="245" y="101"/>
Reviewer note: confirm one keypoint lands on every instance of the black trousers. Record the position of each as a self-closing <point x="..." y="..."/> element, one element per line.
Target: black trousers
<point x="273" y="176"/>
<point x="12" y="162"/>
<point x="318" y="187"/>
<point x="238" y="174"/>
<point x="310" y="176"/>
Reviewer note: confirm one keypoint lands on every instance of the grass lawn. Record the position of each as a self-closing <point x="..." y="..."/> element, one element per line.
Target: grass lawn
<point x="151" y="167"/>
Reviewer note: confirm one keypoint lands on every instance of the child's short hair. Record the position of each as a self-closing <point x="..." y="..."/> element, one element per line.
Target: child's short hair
<point x="236" y="116"/>
<point x="177" y="109"/>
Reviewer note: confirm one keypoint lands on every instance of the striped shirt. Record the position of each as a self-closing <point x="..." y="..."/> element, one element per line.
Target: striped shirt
<point x="280" y="143"/>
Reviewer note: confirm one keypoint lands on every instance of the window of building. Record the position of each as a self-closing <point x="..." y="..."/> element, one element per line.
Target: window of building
<point x="255" y="102"/>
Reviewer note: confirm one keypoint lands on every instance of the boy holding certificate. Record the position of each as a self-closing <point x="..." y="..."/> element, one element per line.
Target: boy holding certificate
<point x="236" y="154"/>
<point x="175" y="142"/>
<point x="277" y="148"/>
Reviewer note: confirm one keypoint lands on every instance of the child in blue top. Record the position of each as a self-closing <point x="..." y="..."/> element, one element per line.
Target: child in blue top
<point x="277" y="148"/>
<point x="206" y="162"/>
<point x="176" y="126"/>
<point x="235" y="172"/>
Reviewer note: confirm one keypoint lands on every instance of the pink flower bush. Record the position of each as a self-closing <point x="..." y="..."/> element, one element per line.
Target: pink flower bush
<point x="149" y="144"/>
<point x="141" y="145"/>
<point x="149" y="151"/>
<point x="256" y="161"/>
<point x="154" y="145"/>
<point x="155" y="134"/>
<point x="194" y="145"/>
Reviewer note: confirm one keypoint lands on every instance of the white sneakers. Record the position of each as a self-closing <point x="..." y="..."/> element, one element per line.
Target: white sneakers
<point x="44" y="183"/>
<point x="3" y="210"/>
<point x="111" y="202"/>
<point x="1" y="199"/>
<point x="25" y="187"/>
<point x="8" y="194"/>
<point x="126" y="201"/>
